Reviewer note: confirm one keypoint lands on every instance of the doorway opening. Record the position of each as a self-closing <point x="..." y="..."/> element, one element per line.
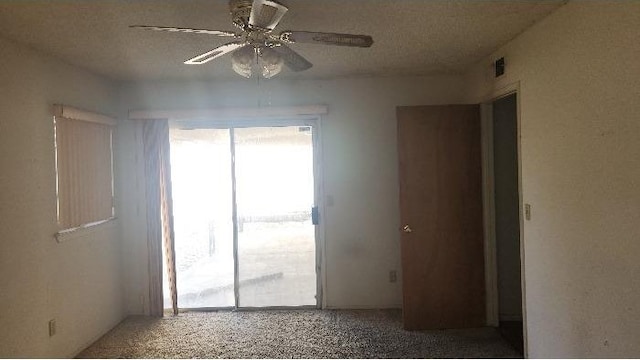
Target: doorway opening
<point x="507" y="219"/>
<point x="245" y="216"/>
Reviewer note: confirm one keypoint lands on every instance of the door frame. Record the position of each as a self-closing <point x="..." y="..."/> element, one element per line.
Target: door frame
<point x="313" y="121"/>
<point x="491" y="270"/>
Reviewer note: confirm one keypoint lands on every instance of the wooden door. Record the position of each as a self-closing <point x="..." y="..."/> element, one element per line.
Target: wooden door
<point x="441" y="214"/>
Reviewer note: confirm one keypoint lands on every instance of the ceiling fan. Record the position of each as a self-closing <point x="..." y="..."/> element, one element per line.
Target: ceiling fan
<point x="256" y="44"/>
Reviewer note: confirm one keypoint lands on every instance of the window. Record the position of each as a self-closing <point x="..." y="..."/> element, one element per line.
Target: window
<point x="84" y="167"/>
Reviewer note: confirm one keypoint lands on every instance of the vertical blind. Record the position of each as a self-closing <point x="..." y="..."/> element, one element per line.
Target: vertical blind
<point x="160" y="234"/>
<point x="84" y="166"/>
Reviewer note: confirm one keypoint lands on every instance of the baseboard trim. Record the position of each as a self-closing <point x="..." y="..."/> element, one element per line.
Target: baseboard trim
<point x="363" y="307"/>
<point x="510" y="317"/>
<point x="77" y="352"/>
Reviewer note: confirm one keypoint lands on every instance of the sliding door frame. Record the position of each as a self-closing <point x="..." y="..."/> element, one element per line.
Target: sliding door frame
<point x="312" y="121"/>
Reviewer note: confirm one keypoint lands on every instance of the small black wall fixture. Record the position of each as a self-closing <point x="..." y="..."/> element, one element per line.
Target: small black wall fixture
<point x="499" y="65"/>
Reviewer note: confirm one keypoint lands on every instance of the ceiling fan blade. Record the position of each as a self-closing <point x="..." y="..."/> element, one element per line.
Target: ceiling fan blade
<point x="292" y="59"/>
<point x="215" y="53"/>
<point x="326" y="38"/>
<point x="187" y="30"/>
<point x="266" y="14"/>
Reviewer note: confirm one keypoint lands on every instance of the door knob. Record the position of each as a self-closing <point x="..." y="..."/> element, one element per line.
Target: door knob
<point x="407" y="229"/>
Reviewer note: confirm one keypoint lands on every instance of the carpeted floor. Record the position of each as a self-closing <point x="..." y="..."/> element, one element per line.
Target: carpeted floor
<point x="292" y="334"/>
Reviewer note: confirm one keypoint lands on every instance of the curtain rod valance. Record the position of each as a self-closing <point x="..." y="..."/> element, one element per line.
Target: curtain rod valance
<point x="228" y="113"/>
<point x="70" y="112"/>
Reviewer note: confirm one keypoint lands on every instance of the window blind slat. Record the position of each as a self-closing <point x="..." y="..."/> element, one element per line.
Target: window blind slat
<point x="84" y="164"/>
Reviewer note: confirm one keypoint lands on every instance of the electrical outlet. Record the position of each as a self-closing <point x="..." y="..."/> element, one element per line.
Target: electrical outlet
<point x="52" y="327"/>
<point x="393" y="276"/>
<point x="527" y="212"/>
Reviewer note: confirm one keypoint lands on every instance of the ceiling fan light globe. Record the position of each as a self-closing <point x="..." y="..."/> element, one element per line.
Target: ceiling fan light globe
<point x="270" y="57"/>
<point x="244" y="56"/>
<point x="271" y="63"/>
<point x="242" y="70"/>
<point x="271" y="70"/>
<point x="242" y="60"/>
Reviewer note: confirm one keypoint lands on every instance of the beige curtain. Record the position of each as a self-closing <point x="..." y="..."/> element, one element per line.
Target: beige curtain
<point x="160" y="232"/>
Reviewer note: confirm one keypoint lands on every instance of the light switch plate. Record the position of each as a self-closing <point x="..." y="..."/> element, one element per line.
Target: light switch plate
<point x="527" y="212"/>
<point x="52" y="327"/>
<point x="393" y="276"/>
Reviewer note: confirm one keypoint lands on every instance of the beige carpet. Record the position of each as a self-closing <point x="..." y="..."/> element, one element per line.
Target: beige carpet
<point x="291" y="334"/>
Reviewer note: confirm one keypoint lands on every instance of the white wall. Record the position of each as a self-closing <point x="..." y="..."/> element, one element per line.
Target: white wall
<point x="360" y="172"/>
<point x="77" y="282"/>
<point x="579" y="72"/>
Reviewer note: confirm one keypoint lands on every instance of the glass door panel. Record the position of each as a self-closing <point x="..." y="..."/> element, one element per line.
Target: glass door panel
<point x="276" y="237"/>
<point x="202" y="212"/>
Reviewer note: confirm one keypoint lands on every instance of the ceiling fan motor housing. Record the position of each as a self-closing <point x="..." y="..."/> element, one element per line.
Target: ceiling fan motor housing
<point x="240" y="12"/>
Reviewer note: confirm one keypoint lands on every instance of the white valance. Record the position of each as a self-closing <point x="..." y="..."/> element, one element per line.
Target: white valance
<point x="229" y="113"/>
<point x="69" y="112"/>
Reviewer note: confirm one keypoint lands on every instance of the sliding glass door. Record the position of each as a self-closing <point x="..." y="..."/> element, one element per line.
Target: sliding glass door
<point x="275" y="195"/>
<point x="244" y="230"/>
<point x="203" y="223"/>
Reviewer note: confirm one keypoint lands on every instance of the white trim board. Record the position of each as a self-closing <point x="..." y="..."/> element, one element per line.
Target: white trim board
<point x="230" y="113"/>
<point x="69" y="112"/>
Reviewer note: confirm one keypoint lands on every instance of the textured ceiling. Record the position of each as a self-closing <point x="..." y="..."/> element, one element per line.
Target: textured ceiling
<point x="412" y="37"/>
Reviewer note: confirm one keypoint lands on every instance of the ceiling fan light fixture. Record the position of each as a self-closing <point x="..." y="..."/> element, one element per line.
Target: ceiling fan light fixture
<point x="242" y="70"/>
<point x="242" y="61"/>
<point x="271" y="63"/>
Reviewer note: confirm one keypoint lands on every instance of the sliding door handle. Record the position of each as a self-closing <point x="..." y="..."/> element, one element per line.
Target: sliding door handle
<point x="315" y="216"/>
